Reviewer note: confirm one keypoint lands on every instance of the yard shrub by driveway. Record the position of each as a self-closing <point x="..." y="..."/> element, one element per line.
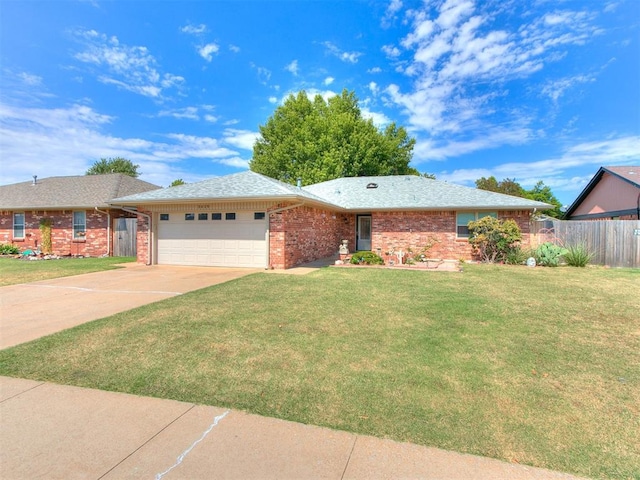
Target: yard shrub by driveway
<point x="536" y="366"/>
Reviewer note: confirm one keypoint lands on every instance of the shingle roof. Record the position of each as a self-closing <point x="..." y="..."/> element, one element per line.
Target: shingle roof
<point x="405" y="192"/>
<point x="244" y="185"/>
<point x="392" y="193"/>
<point x="86" y="191"/>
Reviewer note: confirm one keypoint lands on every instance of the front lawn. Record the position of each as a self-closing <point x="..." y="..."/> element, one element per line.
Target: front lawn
<point x="14" y="271"/>
<point x="535" y="366"/>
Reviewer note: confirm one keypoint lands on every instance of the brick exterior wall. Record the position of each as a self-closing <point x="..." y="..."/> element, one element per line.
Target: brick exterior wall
<point x="393" y="231"/>
<point x="305" y="234"/>
<point x="142" y="238"/>
<point x="94" y="244"/>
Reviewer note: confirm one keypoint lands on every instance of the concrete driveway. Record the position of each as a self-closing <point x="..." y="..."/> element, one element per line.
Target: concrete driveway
<point x="32" y="310"/>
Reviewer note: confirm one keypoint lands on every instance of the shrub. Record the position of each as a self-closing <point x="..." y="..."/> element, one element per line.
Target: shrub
<point x="368" y="258"/>
<point x="8" y="249"/>
<point x="518" y="255"/>
<point x="491" y="239"/>
<point x="578" y="255"/>
<point x="548" y="254"/>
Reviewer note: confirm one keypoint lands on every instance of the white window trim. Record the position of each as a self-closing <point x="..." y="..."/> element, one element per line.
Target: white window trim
<point x="477" y="216"/>
<point x="79" y="234"/>
<point x="24" y="225"/>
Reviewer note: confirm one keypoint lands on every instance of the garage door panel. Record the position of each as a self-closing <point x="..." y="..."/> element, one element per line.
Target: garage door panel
<point x="229" y="243"/>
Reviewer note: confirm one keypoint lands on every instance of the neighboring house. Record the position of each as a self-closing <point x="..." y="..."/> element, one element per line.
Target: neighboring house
<point x="77" y="209"/>
<point x="250" y="220"/>
<point x="612" y="194"/>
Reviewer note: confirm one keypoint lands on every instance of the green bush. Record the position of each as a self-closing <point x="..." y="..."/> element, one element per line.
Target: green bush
<point x="518" y="255"/>
<point x="578" y="255"/>
<point x="549" y="254"/>
<point x="8" y="249"/>
<point x="368" y="258"/>
<point x="491" y="239"/>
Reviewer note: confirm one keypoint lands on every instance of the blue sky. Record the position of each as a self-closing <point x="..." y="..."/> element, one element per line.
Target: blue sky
<point x="531" y="90"/>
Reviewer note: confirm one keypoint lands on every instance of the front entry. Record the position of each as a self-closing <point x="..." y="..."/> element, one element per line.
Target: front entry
<point x="363" y="233"/>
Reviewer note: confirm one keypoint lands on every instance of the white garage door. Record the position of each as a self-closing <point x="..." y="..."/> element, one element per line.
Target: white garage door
<point x="213" y="239"/>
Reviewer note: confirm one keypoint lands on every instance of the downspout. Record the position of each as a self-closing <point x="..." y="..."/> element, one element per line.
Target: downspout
<point x="638" y="210"/>
<point x="148" y="217"/>
<point x="277" y="210"/>
<point x="108" y="230"/>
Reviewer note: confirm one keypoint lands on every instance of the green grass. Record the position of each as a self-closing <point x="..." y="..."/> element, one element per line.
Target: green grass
<point x="537" y="366"/>
<point x="14" y="271"/>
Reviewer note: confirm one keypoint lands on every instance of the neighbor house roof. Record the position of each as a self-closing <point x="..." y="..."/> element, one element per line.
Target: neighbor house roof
<point x="86" y="191"/>
<point x="407" y="192"/>
<point x="629" y="175"/>
<point x="354" y="193"/>
<point x="246" y="185"/>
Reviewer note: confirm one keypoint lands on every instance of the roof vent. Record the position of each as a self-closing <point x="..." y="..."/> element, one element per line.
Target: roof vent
<point x="35" y="179"/>
<point x="372" y="185"/>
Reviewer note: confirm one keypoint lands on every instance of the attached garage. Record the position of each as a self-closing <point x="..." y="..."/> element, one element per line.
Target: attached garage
<point x="217" y="239"/>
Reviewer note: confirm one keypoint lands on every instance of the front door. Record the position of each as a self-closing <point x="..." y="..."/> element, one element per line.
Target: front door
<point x="363" y="235"/>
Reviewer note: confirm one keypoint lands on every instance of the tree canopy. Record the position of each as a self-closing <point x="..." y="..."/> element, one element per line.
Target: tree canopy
<point x="177" y="181"/>
<point x="321" y="140"/>
<point x="540" y="192"/>
<point x="114" y="165"/>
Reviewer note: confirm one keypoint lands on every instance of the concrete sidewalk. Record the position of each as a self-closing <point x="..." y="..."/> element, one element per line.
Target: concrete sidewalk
<point x="61" y="432"/>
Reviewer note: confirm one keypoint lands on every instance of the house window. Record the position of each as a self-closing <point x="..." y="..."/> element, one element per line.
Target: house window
<point x="18" y="225"/>
<point x="164" y="217"/>
<point x="258" y="215"/>
<point x="79" y="224"/>
<point x="203" y="216"/>
<point x="229" y="216"/>
<point x="189" y="216"/>
<point x="463" y="219"/>
<point x="216" y="216"/>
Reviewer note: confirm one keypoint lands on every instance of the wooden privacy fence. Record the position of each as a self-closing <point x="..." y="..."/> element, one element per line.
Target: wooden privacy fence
<point x="615" y="243"/>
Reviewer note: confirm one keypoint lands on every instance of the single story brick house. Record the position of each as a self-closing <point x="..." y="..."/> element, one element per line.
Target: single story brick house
<point x="250" y="220"/>
<point x="73" y="212"/>
<point x="612" y="194"/>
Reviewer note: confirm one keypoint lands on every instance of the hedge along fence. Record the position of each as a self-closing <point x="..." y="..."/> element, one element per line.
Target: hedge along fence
<point x="615" y="243"/>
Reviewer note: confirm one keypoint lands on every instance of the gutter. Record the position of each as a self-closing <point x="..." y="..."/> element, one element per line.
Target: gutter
<point x="148" y="217"/>
<point x="108" y="230"/>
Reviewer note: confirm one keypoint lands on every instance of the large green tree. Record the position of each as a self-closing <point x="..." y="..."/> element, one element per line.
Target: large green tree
<point x="318" y="140"/>
<point x="540" y="192"/>
<point x="114" y="165"/>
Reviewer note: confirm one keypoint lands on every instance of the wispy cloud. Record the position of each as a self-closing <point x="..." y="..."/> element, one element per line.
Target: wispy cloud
<point x="461" y="63"/>
<point x="73" y="138"/>
<point x="207" y="51"/>
<point x="292" y="67"/>
<point x="190" y="113"/>
<point x="555" y="171"/>
<point x="391" y="13"/>
<point x="350" y="57"/>
<point x="194" y="29"/>
<point x="244" y="139"/>
<point x="328" y="81"/>
<point x="264" y="74"/>
<point x="130" y="68"/>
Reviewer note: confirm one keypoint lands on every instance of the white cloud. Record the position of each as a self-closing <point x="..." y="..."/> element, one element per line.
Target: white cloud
<point x="264" y="74"/>
<point x="234" y="48"/>
<point x="207" y="51"/>
<point x="31" y="80"/>
<point x="244" y="139"/>
<point x="390" y="14"/>
<point x="235" y="162"/>
<point x="328" y="81"/>
<point x="391" y="51"/>
<point x="373" y="87"/>
<point x="273" y="99"/>
<point x="460" y="52"/>
<point x="190" y="113"/>
<point x="374" y="70"/>
<point x="350" y="57"/>
<point x="292" y="67"/>
<point x="553" y="171"/>
<point x="130" y="68"/>
<point x="194" y="29"/>
<point x="34" y="139"/>
<point x="211" y="118"/>
<point x="379" y="119"/>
